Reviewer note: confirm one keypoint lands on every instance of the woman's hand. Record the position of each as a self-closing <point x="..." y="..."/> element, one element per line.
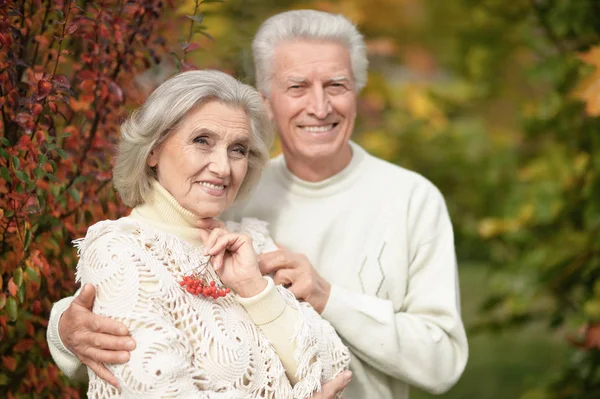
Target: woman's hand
<point x="334" y="388"/>
<point x="234" y="261"/>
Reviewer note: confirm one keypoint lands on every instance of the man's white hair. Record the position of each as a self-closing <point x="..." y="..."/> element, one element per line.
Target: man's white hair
<point x="314" y="25"/>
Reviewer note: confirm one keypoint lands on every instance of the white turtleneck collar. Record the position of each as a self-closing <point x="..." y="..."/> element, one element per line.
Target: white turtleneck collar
<point x="163" y="211"/>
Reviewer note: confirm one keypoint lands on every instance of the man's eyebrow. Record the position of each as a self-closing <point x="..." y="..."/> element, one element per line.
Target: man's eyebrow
<point x="296" y="79"/>
<point x="340" y="78"/>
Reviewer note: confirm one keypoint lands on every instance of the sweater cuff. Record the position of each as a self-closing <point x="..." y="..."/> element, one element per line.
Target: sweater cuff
<point x="266" y="306"/>
<point x="53" y="334"/>
<point x="68" y="363"/>
<point x="344" y="304"/>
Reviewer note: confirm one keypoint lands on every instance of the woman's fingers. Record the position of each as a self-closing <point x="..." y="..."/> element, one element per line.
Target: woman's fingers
<point x="210" y="240"/>
<point x="231" y="242"/>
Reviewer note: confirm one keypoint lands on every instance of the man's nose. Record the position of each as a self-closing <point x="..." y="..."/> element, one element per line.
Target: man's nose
<point x="319" y="103"/>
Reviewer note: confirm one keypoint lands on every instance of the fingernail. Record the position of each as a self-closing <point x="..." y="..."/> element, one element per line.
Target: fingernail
<point x="124" y="357"/>
<point x="348" y="375"/>
<point x="130" y="345"/>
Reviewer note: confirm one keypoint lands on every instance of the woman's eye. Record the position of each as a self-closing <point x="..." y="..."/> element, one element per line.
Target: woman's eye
<point x="200" y="140"/>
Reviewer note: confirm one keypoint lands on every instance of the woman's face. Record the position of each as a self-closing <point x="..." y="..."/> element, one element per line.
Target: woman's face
<point x="205" y="159"/>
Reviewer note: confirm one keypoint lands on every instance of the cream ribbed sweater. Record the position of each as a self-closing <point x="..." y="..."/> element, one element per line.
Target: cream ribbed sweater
<point x="190" y="346"/>
<point x="382" y="237"/>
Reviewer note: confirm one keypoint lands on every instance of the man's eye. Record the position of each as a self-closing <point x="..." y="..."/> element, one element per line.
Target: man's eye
<point x="336" y="88"/>
<point x="200" y="140"/>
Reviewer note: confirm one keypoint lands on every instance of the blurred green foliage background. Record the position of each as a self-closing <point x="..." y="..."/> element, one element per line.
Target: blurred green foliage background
<point x="498" y="103"/>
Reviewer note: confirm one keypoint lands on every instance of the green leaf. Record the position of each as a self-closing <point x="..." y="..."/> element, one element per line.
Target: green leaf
<point x="3" y="153"/>
<point x="33" y="276"/>
<point x="16" y="161"/>
<point x="39" y="173"/>
<point x="196" y="18"/>
<point x="27" y="241"/>
<point x="18" y="276"/>
<point x="211" y="1"/>
<point x="53" y="178"/>
<point x="21" y="293"/>
<point x="74" y="194"/>
<point x="53" y="164"/>
<point x="5" y="141"/>
<point x="5" y="174"/>
<point x="2" y="300"/>
<point x="4" y="379"/>
<point x="42" y="159"/>
<point x="11" y="308"/>
<point x="62" y="153"/>
<point x="30" y="187"/>
<point x="9" y="213"/>
<point x="24" y="177"/>
<point x="207" y="35"/>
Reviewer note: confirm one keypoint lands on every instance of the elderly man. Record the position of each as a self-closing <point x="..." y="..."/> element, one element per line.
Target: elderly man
<point x="368" y="244"/>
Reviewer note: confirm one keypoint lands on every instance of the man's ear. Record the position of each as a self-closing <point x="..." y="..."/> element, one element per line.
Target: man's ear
<point x="267" y="103"/>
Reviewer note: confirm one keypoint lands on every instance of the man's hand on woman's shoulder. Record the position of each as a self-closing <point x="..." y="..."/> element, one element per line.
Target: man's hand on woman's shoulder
<point x="94" y="339"/>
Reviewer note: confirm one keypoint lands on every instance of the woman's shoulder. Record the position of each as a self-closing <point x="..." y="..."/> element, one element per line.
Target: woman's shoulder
<point x="104" y="230"/>
<point x="255" y="228"/>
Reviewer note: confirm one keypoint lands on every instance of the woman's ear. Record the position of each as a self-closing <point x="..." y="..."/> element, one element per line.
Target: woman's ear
<point x="152" y="160"/>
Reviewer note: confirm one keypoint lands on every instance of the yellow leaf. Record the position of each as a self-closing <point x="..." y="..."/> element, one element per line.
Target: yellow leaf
<point x="588" y="89"/>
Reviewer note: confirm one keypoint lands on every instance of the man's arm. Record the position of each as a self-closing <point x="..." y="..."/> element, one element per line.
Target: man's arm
<point x="77" y="337"/>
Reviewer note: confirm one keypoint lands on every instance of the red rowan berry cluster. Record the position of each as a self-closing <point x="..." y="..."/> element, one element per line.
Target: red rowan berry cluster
<point x="195" y="285"/>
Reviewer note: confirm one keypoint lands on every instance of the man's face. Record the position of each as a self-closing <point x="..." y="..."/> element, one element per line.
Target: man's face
<point x="312" y="101"/>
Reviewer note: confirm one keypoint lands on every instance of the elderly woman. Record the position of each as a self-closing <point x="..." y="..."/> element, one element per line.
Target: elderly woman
<point x="198" y="143"/>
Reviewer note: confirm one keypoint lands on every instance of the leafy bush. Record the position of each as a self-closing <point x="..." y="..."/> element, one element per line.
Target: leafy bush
<point x="69" y="73"/>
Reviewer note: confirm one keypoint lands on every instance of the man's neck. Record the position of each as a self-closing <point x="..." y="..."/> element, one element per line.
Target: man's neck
<point x="316" y="170"/>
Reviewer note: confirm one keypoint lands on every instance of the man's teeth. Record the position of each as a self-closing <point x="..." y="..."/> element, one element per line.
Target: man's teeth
<point x="213" y="186"/>
<point x="318" y="129"/>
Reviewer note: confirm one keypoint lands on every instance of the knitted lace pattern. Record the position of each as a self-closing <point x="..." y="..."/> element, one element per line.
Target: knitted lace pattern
<point x="192" y="346"/>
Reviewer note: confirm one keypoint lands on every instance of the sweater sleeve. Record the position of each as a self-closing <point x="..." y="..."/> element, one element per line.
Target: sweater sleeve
<point x="307" y="345"/>
<point x="161" y="365"/>
<point x="423" y="342"/>
<point x="66" y="361"/>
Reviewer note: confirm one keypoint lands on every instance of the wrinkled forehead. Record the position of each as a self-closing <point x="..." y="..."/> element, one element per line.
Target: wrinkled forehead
<point x="301" y="59"/>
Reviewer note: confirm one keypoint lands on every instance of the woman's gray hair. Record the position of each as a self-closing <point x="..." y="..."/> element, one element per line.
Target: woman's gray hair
<point x="150" y="125"/>
<point x="308" y="25"/>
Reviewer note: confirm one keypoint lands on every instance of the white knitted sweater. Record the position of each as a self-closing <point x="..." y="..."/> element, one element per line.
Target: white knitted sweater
<point x="191" y="346"/>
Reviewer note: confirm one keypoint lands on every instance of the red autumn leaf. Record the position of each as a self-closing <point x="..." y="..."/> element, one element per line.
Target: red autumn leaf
<point x="87" y="74"/>
<point x="87" y="85"/>
<point x="23" y="345"/>
<point x="44" y="88"/>
<point x="191" y="47"/>
<point x="36" y="109"/>
<point x="592" y="336"/>
<point x="72" y="28"/>
<point x="9" y="362"/>
<point x="61" y="80"/>
<point x="29" y="328"/>
<point x="12" y="287"/>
